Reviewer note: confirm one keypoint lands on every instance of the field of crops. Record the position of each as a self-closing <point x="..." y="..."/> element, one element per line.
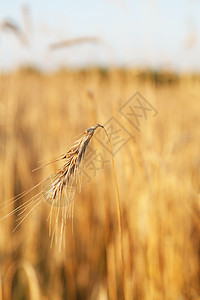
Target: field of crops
<point x="154" y="127"/>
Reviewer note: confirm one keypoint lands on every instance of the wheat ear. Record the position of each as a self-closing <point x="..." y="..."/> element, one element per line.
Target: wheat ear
<point x="59" y="191"/>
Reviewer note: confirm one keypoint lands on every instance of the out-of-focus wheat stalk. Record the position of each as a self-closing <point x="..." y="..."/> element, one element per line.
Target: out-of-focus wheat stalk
<point x="11" y="276"/>
<point x="11" y="26"/>
<point x="72" y="42"/>
<point x="26" y="16"/>
<point x="1" y="294"/>
<point x="118" y="213"/>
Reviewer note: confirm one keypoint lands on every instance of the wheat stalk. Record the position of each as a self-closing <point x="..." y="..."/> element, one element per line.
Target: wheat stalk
<point x="59" y="191"/>
<point x="119" y="214"/>
<point x="11" y="26"/>
<point x="61" y="187"/>
<point x="72" y="42"/>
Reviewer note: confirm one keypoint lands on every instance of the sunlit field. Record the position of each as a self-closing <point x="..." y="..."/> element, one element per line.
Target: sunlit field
<point x="157" y="161"/>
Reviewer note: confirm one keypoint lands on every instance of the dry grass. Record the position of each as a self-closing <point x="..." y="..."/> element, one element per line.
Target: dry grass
<point x="158" y="175"/>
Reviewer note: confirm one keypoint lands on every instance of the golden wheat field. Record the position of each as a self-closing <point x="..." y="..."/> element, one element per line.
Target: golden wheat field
<point x="158" y="174"/>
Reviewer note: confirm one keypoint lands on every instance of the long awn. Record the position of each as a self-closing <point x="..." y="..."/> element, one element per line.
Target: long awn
<point x="59" y="191"/>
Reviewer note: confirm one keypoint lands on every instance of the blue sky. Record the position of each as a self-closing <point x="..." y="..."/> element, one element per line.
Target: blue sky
<point x="142" y="33"/>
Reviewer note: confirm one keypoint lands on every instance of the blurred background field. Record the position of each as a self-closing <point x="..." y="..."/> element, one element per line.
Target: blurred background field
<point x="106" y="55"/>
<point x="158" y="175"/>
